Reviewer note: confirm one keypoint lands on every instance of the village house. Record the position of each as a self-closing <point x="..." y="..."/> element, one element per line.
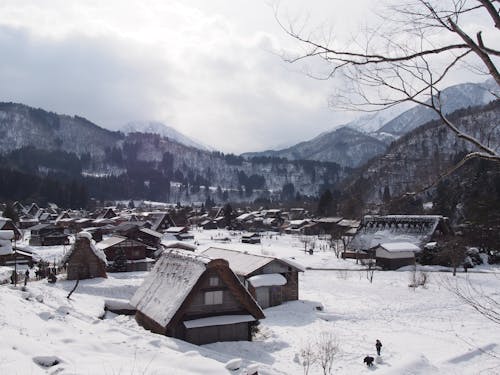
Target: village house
<point x="84" y="260"/>
<point x="48" y="235"/>
<point x="271" y="281"/>
<point x="252" y="238"/>
<point x="20" y="255"/>
<point x="133" y="253"/>
<point x="415" y="229"/>
<point x="197" y="299"/>
<point x="8" y="224"/>
<point x="161" y="221"/>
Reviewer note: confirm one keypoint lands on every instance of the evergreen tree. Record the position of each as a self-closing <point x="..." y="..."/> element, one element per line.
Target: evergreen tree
<point x="10" y="212"/>
<point x="325" y="203"/>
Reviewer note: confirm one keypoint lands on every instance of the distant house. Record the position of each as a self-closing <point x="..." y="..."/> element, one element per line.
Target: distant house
<point x="181" y="233"/>
<point x="107" y="213"/>
<point x="415" y="229"/>
<point x="163" y="222"/>
<point x="209" y="224"/>
<point x="84" y="260"/>
<point x="196" y="299"/>
<point x="133" y="253"/>
<point x="8" y="224"/>
<point x="394" y="255"/>
<point x="48" y="235"/>
<point x="252" y="238"/>
<point x="278" y="279"/>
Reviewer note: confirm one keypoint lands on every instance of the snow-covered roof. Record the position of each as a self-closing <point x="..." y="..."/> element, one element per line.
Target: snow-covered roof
<point x="415" y="229"/>
<point x="151" y="232"/>
<point x="394" y="247"/>
<point x="243" y="263"/>
<point x="110" y="241"/>
<point x="218" y="320"/>
<point x="5" y="247"/>
<point x="98" y="252"/>
<point x="245" y="216"/>
<point x="178" y="244"/>
<point x="175" y="229"/>
<point x="268" y="279"/>
<point x="6" y="234"/>
<point x="168" y="284"/>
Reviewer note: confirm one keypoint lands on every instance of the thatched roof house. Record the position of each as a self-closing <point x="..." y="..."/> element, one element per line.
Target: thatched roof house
<point x="84" y="260"/>
<point x="196" y="299"/>
<point x="415" y="229"/>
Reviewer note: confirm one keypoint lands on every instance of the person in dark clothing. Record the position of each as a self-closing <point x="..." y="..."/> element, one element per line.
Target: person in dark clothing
<point x="378" y="345"/>
<point x="368" y="360"/>
<point x="26" y="277"/>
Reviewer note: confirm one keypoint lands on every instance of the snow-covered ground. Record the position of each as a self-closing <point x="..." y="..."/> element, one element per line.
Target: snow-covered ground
<point x="423" y="330"/>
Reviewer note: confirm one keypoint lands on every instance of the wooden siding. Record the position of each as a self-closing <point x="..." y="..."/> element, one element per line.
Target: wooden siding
<point x="198" y="308"/>
<point x="228" y="332"/>
<point x="83" y="263"/>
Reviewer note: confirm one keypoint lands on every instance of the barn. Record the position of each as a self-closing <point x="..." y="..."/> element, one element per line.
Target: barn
<point x="270" y="280"/>
<point x="195" y="298"/>
<point x="84" y="260"/>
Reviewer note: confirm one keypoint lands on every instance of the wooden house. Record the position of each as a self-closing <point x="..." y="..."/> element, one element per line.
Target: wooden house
<point x="196" y="299"/>
<point x="278" y="279"/>
<point x="8" y="224"/>
<point x="134" y="253"/>
<point x="48" y="235"/>
<point x="163" y="222"/>
<point x="84" y="260"/>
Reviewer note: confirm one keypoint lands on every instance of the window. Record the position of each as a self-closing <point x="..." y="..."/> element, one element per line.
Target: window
<point x="213" y="298"/>
<point x="213" y="281"/>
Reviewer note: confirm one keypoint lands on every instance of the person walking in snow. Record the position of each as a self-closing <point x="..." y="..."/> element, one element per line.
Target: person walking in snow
<point x="368" y="360"/>
<point x="378" y="345"/>
<point x="26" y="277"/>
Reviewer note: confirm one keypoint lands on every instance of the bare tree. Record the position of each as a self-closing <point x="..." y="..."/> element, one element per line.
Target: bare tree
<point x="307" y="356"/>
<point x="409" y="57"/>
<point x="370" y="270"/>
<point x="488" y="305"/>
<point x="327" y="349"/>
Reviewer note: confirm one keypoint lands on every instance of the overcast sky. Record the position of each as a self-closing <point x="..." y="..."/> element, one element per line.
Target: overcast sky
<point x="207" y="68"/>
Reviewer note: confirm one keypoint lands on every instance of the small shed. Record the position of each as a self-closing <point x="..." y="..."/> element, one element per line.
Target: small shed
<point x="84" y="260"/>
<point x="196" y="299"/>
<point x="394" y="255"/>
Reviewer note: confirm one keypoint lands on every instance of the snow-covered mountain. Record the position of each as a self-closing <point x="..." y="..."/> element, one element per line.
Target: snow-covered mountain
<point x="163" y="130"/>
<point x="345" y="146"/>
<point x="416" y="159"/>
<point x="358" y="141"/>
<point x="453" y="98"/>
<point x="144" y="165"/>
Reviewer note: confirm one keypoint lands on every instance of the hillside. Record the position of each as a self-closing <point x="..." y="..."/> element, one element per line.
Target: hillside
<point x="22" y="126"/>
<point x="419" y="157"/>
<point x="57" y="151"/>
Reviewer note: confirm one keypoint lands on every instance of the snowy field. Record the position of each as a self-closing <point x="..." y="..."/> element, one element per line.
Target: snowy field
<point x="423" y="330"/>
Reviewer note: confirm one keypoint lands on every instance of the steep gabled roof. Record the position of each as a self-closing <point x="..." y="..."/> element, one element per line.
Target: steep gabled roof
<point x="166" y="290"/>
<point x="88" y="237"/>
